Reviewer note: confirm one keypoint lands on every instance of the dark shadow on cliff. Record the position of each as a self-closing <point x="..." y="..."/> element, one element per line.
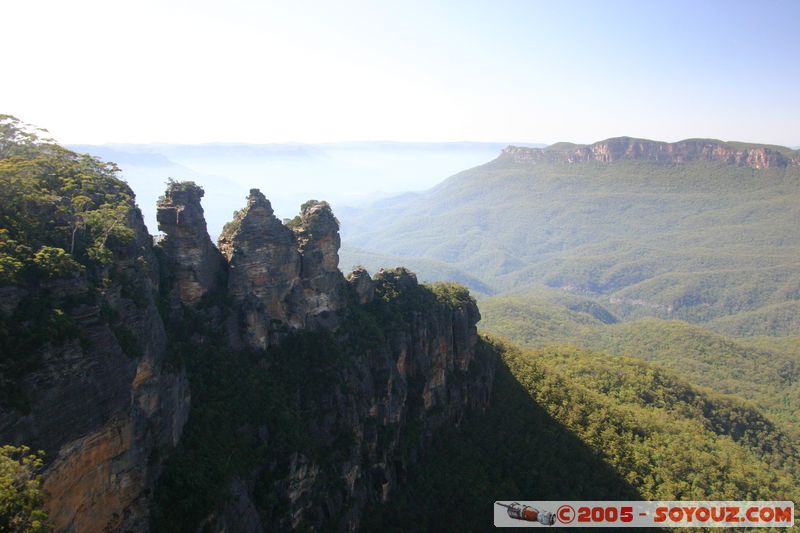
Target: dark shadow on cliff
<point x="515" y="451"/>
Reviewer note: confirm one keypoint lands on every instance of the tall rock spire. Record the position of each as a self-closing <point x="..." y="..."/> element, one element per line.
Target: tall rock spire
<point x="198" y="265"/>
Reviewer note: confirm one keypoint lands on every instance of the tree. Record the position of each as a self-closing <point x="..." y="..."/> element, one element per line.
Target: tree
<point x="16" y="137"/>
<point x="21" y="505"/>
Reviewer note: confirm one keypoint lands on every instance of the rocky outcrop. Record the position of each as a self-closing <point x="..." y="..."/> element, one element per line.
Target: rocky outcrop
<point x="391" y="362"/>
<point x="264" y="275"/>
<point x="362" y="285"/>
<point x="282" y="279"/>
<point x="627" y="148"/>
<point x="195" y="264"/>
<point x="318" y="243"/>
<point x="102" y="405"/>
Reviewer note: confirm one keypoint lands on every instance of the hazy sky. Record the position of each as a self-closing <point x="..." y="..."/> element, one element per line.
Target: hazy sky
<point x="258" y="71"/>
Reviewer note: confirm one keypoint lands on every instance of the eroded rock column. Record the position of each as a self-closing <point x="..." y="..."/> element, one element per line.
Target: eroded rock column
<point x="196" y="264"/>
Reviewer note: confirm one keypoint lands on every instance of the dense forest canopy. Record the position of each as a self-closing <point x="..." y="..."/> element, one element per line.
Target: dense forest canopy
<point x="59" y="211"/>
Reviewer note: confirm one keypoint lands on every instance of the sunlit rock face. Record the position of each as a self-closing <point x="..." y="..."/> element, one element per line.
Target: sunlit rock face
<point x="318" y="242"/>
<point x="627" y="148"/>
<point x="283" y="278"/>
<point x="106" y="411"/>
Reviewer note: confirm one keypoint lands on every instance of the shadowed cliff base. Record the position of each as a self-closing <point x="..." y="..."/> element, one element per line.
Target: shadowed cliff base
<point x="514" y="450"/>
<point x="304" y="434"/>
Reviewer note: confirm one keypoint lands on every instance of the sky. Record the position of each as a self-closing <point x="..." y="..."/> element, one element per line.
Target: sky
<point x="201" y="71"/>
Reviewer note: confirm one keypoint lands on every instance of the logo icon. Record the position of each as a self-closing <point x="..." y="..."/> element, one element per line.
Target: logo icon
<point x="527" y="513"/>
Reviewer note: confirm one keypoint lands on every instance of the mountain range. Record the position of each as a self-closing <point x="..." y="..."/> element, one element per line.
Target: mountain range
<point x="698" y="230"/>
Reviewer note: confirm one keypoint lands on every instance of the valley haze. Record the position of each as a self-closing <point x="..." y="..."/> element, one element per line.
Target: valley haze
<point x="344" y="174"/>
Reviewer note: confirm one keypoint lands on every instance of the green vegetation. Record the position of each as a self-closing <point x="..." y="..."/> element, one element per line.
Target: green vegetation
<point x="244" y="415"/>
<point x="58" y="209"/>
<point x="232" y="226"/>
<point x="21" y="508"/>
<point x="181" y="186"/>
<point x="695" y="241"/>
<point x="63" y="218"/>
<point x="451" y="294"/>
<point x="569" y="424"/>
<point x="765" y="371"/>
<point x="775" y="319"/>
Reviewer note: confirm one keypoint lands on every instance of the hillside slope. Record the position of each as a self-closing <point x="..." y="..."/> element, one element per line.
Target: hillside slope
<point x="567" y="424"/>
<point x="693" y="231"/>
<point x="762" y="370"/>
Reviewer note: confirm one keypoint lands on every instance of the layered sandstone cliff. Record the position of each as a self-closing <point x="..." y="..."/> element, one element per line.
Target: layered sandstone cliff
<point x="103" y="405"/>
<point x="627" y="148"/>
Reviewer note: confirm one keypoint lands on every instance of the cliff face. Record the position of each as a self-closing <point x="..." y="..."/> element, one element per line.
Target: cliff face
<point x="623" y="148"/>
<point x="327" y="389"/>
<point x="374" y="418"/>
<point x="375" y="366"/>
<point x="102" y="405"/>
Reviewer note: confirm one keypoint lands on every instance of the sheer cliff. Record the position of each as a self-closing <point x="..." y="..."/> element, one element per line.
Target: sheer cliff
<point x="82" y="371"/>
<point x="627" y="148"/>
<point x="313" y="394"/>
<point x="180" y="385"/>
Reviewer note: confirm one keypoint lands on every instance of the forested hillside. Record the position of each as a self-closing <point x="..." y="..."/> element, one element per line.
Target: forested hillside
<point x="763" y="370"/>
<point x="686" y="238"/>
<point x="575" y="424"/>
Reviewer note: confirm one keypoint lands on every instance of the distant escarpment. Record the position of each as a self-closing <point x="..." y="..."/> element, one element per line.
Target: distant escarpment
<point x="179" y="386"/>
<point x="627" y="148"/>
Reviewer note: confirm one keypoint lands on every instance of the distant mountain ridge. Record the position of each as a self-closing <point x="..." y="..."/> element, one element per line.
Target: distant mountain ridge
<point x="628" y="148"/>
<point x="695" y="230"/>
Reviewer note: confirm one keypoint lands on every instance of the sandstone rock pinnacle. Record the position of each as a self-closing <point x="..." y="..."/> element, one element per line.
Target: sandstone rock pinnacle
<point x="198" y="265"/>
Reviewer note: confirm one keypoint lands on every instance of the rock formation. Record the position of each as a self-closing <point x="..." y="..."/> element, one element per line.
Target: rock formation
<point x="283" y="279"/>
<point x="362" y="284"/>
<point x="109" y="411"/>
<point x="197" y="265"/>
<point x="386" y="404"/>
<point x="620" y="148"/>
<point x="318" y="242"/>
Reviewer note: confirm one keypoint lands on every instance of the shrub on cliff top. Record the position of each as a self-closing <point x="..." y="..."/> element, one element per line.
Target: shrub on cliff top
<point x="452" y="294"/>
